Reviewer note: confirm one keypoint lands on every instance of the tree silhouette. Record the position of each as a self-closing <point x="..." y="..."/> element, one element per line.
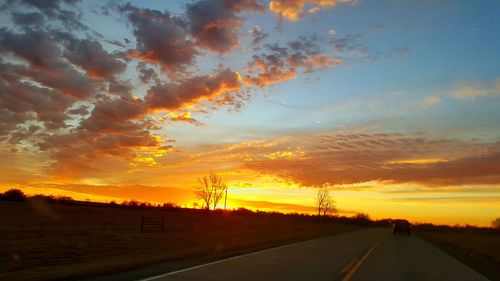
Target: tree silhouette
<point x="13" y="195"/>
<point x="210" y="189"/>
<point x="324" y="202"/>
<point x="361" y="218"/>
<point x="496" y="223"/>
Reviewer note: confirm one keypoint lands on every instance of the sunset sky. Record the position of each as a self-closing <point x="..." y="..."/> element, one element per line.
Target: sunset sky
<point x="392" y="105"/>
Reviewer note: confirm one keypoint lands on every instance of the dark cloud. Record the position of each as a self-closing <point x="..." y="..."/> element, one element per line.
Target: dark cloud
<point x="63" y="77"/>
<point x="349" y="43"/>
<point x="90" y="56"/>
<point x="176" y="96"/>
<point x="9" y="121"/>
<point x="23" y="101"/>
<point x="283" y="63"/>
<point x="146" y="74"/>
<point x="115" y="115"/>
<point x="54" y="9"/>
<point x="215" y="23"/>
<point x="21" y="44"/>
<point x="161" y="38"/>
<point x="47" y="64"/>
<point x="258" y="35"/>
<point x="29" y="19"/>
<point x="309" y="45"/>
<point x="120" y="88"/>
<point x="353" y="46"/>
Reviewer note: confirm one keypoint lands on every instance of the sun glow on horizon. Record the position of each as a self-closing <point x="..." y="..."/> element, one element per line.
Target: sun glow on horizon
<point x="279" y="97"/>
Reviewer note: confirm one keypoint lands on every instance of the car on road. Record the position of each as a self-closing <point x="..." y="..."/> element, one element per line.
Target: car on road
<point x="401" y="226"/>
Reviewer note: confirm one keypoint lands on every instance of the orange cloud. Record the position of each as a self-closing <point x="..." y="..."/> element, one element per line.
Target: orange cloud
<point x="346" y="159"/>
<point x="184" y="117"/>
<point x="293" y="10"/>
<point x="193" y="90"/>
<point x="273" y="76"/>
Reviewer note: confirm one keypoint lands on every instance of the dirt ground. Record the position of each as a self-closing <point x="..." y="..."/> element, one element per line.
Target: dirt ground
<point x="480" y="251"/>
<point x="40" y="241"/>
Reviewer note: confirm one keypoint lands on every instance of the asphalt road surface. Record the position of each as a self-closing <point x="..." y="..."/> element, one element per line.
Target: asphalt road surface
<point x="371" y="254"/>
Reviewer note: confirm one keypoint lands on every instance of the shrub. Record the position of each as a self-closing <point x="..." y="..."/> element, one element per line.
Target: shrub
<point x="13" y="195"/>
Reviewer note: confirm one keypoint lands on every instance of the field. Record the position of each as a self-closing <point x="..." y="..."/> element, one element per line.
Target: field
<point x="40" y="241"/>
<point x="480" y="251"/>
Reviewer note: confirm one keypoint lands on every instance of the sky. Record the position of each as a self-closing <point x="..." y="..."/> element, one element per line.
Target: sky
<point x="393" y="106"/>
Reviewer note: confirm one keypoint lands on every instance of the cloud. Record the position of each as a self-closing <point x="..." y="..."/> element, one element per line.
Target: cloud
<point x="471" y="92"/>
<point x="395" y="158"/>
<point x="81" y="110"/>
<point x="184" y="117"/>
<point x="55" y="9"/>
<point x="28" y="19"/>
<point x="46" y="60"/>
<point x="428" y="102"/>
<point x="215" y="23"/>
<point x="352" y="46"/>
<point x="293" y="10"/>
<point x="161" y="38"/>
<point x="176" y="96"/>
<point x="90" y="56"/>
<point x="283" y="63"/>
<point x="349" y="43"/>
<point x="73" y="99"/>
<point x="147" y="74"/>
<point x="257" y="35"/>
<point x="24" y="101"/>
<point x="115" y="115"/>
<point x="21" y="44"/>
<point x="115" y="128"/>
<point x="313" y="10"/>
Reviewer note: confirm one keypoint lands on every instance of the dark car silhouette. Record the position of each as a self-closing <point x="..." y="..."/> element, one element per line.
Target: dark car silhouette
<point x="402" y="226"/>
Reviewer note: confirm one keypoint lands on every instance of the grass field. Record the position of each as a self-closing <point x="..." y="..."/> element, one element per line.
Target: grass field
<point x="82" y="240"/>
<point x="480" y="251"/>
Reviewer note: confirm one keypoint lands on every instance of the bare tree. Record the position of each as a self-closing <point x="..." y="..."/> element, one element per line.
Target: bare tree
<point x="218" y="193"/>
<point x="203" y="191"/>
<point x="496" y="223"/>
<point x="210" y="189"/>
<point x="324" y="202"/>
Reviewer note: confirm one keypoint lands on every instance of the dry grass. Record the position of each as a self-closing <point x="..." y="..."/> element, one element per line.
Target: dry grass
<point x="81" y="240"/>
<point x="480" y="251"/>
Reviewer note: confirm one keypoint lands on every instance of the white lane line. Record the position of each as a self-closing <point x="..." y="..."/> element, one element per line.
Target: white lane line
<point x="231" y="258"/>
<point x="354" y="268"/>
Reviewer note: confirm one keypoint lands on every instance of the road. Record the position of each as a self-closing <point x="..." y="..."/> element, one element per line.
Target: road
<point x="370" y="254"/>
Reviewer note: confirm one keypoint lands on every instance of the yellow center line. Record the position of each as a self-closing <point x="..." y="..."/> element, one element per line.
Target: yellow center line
<point x="354" y="268"/>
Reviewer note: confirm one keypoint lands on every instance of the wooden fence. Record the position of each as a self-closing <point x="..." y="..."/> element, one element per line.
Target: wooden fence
<point x="152" y="224"/>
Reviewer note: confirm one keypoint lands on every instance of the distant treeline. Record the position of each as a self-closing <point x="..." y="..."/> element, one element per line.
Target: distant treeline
<point x="358" y="219"/>
<point x="17" y="195"/>
<point x="456" y="228"/>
